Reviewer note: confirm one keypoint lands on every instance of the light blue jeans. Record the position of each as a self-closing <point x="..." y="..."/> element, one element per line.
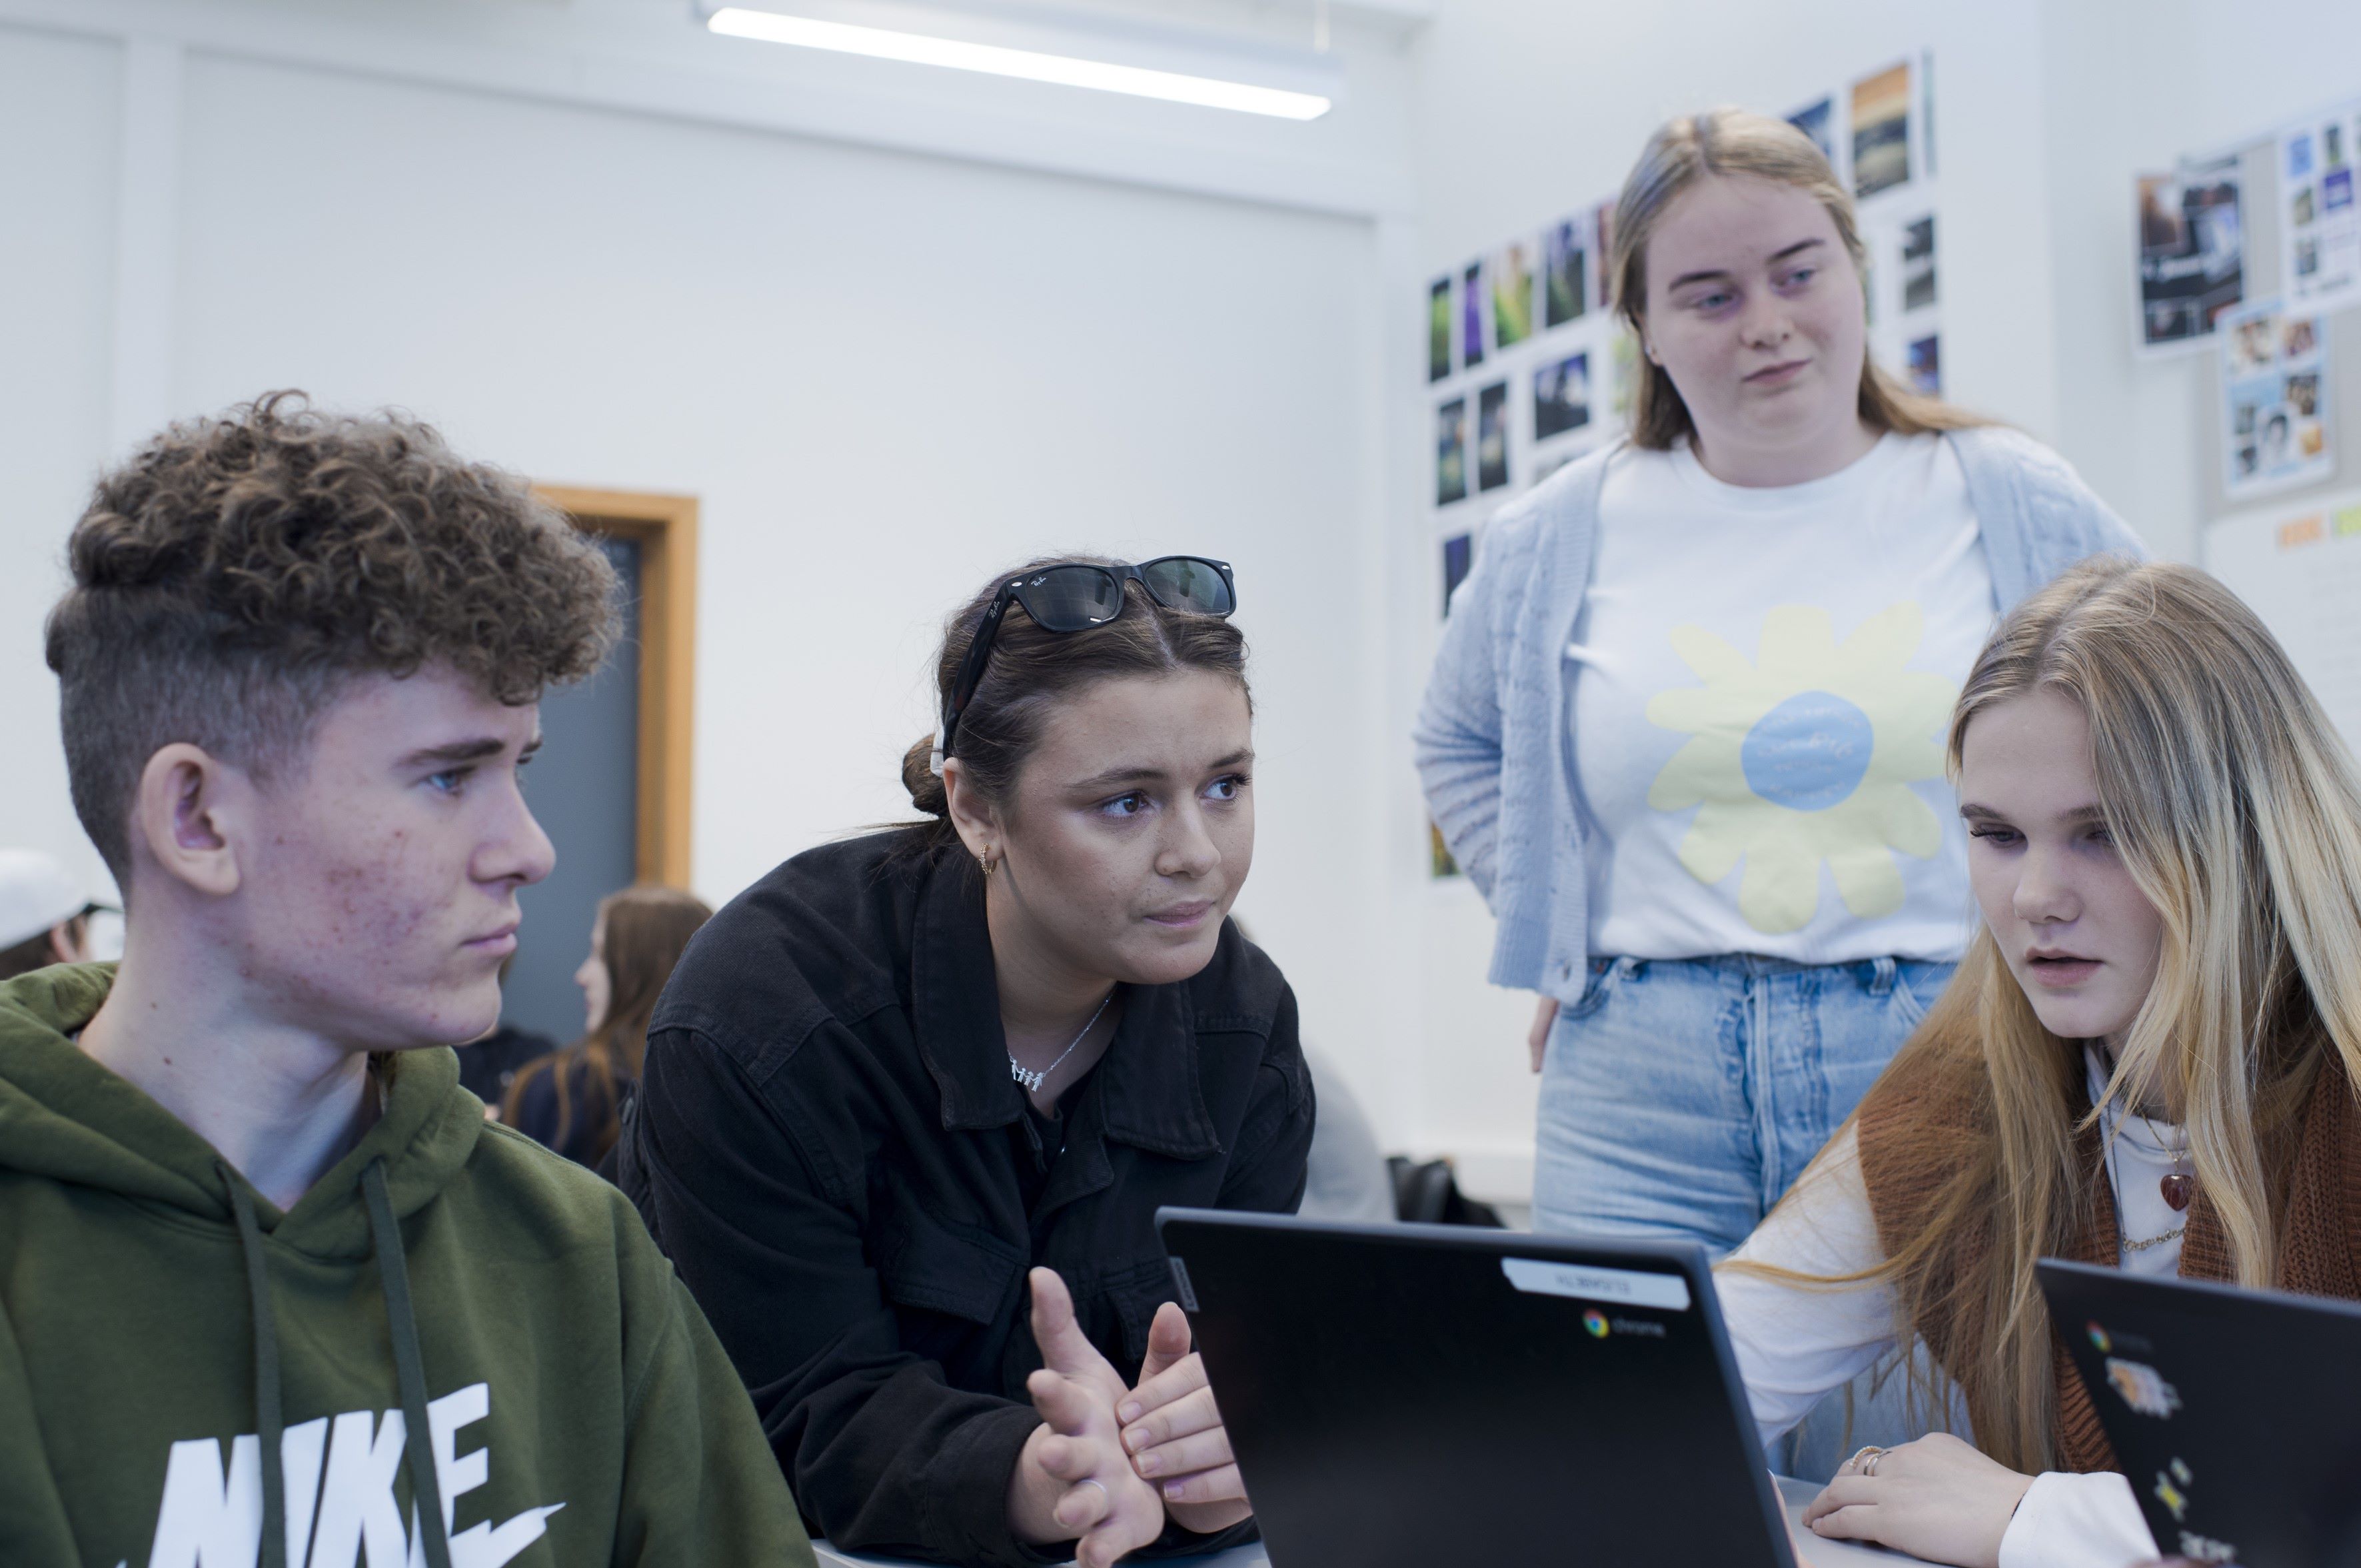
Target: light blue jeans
<point x="1680" y="1099"/>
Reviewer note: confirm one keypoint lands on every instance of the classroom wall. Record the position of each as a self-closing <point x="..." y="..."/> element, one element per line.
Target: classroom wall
<point x="1525" y="109"/>
<point x="887" y="374"/>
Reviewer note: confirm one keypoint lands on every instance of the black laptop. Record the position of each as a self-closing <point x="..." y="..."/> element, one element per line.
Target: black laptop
<point x="2236" y="1413"/>
<point x="1405" y="1396"/>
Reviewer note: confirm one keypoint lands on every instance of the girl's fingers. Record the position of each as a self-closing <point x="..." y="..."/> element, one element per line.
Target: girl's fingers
<point x="1085" y="1503"/>
<point x="1184" y="1456"/>
<point x="1065" y="1405"/>
<point x="1222" y="1484"/>
<point x="1191" y="1413"/>
<point x="1845" y="1491"/>
<point x="1167" y="1341"/>
<point x="1855" y="1523"/>
<point x="1184" y="1378"/>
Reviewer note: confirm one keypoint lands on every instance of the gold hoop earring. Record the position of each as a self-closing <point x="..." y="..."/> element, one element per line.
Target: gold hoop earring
<point x="990" y="865"/>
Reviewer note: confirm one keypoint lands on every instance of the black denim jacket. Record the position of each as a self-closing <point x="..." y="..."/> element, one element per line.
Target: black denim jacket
<point x="827" y="1144"/>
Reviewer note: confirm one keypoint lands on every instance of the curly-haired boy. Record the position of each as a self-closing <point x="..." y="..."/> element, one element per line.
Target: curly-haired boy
<point x="271" y="1288"/>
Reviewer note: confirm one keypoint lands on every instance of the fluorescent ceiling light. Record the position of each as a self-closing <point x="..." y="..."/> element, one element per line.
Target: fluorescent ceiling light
<point x="918" y="49"/>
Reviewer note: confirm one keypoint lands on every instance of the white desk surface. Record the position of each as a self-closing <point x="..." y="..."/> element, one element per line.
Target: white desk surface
<point x="1817" y="1553"/>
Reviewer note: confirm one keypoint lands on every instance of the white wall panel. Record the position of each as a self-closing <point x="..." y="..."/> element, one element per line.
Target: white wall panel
<point x="60" y="115"/>
<point x="885" y="376"/>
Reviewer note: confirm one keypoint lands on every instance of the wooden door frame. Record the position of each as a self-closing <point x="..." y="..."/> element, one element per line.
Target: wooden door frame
<point x="664" y="528"/>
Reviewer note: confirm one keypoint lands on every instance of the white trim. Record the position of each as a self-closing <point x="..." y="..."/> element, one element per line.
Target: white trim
<point x="680" y="72"/>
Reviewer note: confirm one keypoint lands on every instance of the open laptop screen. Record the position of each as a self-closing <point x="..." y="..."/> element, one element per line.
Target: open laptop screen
<point x="1415" y="1394"/>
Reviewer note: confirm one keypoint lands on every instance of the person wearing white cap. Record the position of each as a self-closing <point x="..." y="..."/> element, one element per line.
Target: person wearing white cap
<point x="44" y="913"/>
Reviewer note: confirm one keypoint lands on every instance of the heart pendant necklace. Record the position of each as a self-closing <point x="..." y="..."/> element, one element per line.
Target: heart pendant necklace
<point x="2178" y="1185"/>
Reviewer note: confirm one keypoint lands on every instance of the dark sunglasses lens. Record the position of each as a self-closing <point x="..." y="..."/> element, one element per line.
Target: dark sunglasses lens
<point x="1068" y="598"/>
<point x="1186" y="583"/>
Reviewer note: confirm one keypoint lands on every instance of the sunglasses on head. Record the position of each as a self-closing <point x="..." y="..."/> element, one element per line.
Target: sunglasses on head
<point x="1075" y="596"/>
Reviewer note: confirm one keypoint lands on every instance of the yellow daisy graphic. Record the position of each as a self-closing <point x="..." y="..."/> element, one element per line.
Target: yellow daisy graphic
<point x="1805" y="756"/>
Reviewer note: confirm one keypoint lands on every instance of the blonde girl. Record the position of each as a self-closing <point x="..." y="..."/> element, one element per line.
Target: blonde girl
<point x="2147" y="1059"/>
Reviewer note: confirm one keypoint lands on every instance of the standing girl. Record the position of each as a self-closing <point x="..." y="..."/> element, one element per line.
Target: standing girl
<point x="1683" y="730"/>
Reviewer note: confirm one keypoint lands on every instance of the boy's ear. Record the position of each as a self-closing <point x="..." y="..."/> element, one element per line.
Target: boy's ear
<point x="183" y="818"/>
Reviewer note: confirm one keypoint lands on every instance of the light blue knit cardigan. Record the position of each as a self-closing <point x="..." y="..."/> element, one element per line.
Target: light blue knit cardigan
<point x="1493" y="753"/>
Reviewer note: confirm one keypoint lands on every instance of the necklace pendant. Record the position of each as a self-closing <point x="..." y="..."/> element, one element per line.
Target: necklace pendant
<point x="1032" y="1078"/>
<point x="2178" y="1188"/>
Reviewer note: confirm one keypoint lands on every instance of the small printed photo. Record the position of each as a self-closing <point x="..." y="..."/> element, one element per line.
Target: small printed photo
<point x="1926" y="367"/>
<point x="2275" y="410"/>
<point x="1451" y="451"/>
<point x="2193" y="252"/>
<point x="1881" y="131"/>
<point x="1438" y="329"/>
<point x="1512" y="294"/>
<point x="2307" y="258"/>
<point x="2299" y="156"/>
<point x="2301" y="210"/>
<point x="1566" y="274"/>
<point x="2336" y="190"/>
<point x="2250" y="347"/>
<point x="2277" y="444"/>
<point x="1814" y="122"/>
<point x="1918" y="263"/>
<point x="1439" y="863"/>
<point x="1562" y="396"/>
<point x="1458" y="555"/>
<point x="1492" y="436"/>
<point x="2331" y="145"/>
<point x="1474" y="309"/>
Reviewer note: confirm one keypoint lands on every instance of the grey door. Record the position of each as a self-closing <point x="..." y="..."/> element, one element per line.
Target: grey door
<point x="585" y="789"/>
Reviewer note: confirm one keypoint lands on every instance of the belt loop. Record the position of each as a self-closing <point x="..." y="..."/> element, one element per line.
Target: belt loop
<point x="1881" y="975"/>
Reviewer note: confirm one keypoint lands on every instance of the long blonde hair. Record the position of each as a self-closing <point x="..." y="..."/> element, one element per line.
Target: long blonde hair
<point x="1740" y="144"/>
<point x="2237" y="812"/>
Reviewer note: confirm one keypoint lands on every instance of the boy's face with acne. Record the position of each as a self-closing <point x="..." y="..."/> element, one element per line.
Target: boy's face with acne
<point x="378" y="871"/>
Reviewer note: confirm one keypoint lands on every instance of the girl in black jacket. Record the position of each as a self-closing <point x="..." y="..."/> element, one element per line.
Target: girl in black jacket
<point x="905" y="1073"/>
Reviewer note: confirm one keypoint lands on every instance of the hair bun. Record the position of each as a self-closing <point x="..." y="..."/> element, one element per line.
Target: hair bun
<point x="918" y="776"/>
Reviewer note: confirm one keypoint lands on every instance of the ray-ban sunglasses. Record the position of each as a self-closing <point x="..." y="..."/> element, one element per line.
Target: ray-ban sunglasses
<point x="1075" y="596"/>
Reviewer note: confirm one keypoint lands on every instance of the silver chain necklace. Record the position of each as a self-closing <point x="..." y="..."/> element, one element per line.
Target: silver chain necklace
<point x="1033" y="1080"/>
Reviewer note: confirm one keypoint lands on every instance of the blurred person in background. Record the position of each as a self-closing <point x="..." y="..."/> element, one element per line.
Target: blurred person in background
<point x="44" y="914"/>
<point x="488" y="1066"/>
<point x="572" y="1100"/>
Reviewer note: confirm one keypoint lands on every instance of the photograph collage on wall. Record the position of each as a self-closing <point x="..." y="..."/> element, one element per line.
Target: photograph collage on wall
<point x="2276" y="418"/>
<point x="2320" y="248"/>
<point x="1882" y="131"/>
<point x="1529" y="368"/>
<point x="1522" y="330"/>
<point x="2192" y="254"/>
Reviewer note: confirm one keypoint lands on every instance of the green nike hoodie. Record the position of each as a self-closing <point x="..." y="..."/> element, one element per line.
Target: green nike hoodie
<point x="464" y="1350"/>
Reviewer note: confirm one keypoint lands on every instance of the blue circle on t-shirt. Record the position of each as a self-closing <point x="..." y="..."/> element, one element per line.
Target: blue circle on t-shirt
<point x="1810" y="752"/>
